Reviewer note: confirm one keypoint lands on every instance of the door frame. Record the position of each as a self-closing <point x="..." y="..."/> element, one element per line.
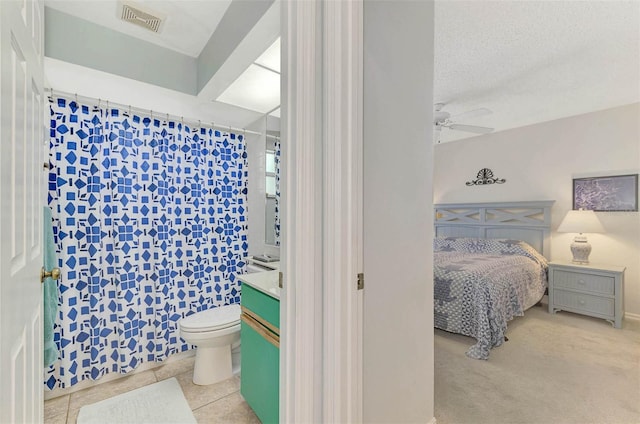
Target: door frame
<point x="321" y="308"/>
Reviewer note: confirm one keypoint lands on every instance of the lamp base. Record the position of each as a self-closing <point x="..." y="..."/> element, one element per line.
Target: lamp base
<point x="581" y="250"/>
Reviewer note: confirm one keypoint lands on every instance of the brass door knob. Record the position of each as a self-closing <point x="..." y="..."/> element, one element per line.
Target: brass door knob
<point x="54" y="274"/>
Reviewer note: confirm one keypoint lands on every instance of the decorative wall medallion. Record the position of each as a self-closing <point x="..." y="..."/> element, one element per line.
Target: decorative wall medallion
<point x="485" y="177"/>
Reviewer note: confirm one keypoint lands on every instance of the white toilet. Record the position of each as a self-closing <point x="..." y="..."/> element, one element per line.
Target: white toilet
<point x="214" y="332"/>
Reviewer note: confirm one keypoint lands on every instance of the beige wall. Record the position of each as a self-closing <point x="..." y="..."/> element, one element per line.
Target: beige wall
<point x="539" y="162"/>
<point x="398" y="208"/>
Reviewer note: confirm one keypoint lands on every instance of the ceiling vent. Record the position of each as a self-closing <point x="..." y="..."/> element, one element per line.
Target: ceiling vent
<point x="140" y="15"/>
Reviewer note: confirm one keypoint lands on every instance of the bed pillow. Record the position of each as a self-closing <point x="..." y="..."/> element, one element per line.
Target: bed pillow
<point x="488" y="246"/>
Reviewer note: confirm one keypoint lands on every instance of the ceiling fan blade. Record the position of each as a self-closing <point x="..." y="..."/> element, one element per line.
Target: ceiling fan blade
<point x="470" y="128"/>
<point x="472" y="114"/>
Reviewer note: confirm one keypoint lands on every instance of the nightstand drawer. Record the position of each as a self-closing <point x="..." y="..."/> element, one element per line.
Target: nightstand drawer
<point x="584" y="302"/>
<point x="583" y="282"/>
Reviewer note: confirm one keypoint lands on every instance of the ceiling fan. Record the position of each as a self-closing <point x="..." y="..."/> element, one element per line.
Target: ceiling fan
<point x="443" y="119"/>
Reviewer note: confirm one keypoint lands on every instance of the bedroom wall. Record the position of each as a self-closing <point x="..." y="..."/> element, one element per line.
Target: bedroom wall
<point x="398" y="360"/>
<point x="539" y="162"/>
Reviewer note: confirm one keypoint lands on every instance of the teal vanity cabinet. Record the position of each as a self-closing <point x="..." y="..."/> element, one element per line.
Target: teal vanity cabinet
<point x="260" y="359"/>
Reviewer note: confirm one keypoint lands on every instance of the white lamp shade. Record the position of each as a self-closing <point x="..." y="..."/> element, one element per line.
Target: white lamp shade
<point x="581" y="221"/>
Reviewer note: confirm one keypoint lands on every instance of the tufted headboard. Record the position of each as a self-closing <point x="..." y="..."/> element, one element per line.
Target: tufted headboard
<point x="526" y="221"/>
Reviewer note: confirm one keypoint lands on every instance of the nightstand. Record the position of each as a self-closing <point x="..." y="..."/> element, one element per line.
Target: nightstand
<point x="594" y="290"/>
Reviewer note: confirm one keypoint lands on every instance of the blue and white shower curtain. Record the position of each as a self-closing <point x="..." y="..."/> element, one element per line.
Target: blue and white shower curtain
<point x="277" y="154"/>
<point x="150" y="225"/>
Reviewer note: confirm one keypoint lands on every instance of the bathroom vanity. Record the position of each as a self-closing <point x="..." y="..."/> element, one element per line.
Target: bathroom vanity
<point x="260" y="338"/>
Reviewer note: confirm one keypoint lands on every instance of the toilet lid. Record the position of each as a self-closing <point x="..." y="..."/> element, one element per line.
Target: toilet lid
<point x="212" y="319"/>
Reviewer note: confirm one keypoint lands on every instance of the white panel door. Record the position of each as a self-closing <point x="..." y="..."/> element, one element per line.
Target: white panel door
<point x="21" y="200"/>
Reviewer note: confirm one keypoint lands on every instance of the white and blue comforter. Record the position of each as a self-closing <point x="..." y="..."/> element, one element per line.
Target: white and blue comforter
<point x="481" y="284"/>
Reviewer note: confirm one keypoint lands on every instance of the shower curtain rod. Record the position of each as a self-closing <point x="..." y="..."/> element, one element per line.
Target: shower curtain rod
<point x="76" y="97"/>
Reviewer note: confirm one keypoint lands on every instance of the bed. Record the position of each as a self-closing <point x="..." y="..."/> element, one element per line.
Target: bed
<point x="489" y="267"/>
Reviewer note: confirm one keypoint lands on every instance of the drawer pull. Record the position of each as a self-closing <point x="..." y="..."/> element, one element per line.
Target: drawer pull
<point x="581" y="302"/>
<point x="581" y="282"/>
<point x="257" y="318"/>
<point x="274" y="339"/>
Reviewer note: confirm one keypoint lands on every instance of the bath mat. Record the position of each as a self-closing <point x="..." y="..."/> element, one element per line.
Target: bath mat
<point x="161" y="402"/>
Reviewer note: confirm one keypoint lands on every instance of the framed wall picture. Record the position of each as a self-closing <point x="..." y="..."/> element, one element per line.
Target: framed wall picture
<point x="617" y="193"/>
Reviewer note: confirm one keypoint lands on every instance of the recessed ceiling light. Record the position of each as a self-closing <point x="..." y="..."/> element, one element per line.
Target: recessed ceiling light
<point x="271" y="57"/>
<point x="256" y="89"/>
<point x="275" y="113"/>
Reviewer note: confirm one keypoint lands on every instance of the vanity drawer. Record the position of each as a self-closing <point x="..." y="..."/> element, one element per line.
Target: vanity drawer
<point x="584" y="302"/>
<point x="261" y="304"/>
<point x="584" y="282"/>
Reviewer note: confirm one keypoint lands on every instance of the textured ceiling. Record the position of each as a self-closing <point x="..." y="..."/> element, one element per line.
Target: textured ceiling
<point x="527" y="61"/>
<point x="534" y="61"/>
<point x="187" y="28"/>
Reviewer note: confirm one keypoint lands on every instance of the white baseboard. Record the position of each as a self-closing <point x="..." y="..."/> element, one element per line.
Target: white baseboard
<point x="51" y="394"/>
<point x="634" y="317"/>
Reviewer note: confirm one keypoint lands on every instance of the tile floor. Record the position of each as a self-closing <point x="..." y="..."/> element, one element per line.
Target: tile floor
<point x="217" y="403"/>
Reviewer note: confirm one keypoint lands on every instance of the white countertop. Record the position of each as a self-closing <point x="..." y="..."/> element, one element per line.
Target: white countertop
<point x="266" y="282"/>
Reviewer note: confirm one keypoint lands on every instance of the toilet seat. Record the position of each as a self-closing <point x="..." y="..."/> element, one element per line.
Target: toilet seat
<point x="211" y="319"/>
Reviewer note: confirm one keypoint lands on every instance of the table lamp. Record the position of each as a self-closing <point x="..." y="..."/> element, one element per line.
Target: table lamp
<point x="581" y="221"/>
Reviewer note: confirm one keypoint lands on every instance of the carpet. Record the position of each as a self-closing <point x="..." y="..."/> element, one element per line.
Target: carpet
<point x="161" y="402"/>
<point x="563" y="369"/>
